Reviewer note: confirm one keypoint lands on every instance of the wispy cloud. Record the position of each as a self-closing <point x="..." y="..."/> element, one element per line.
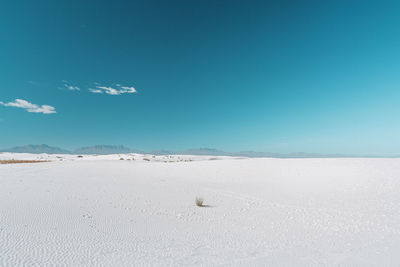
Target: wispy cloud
<point x="71" y="87"/>
<point x="20" y="103"/>
<point x="117" y="90"/>
<point x="96" y="91"/>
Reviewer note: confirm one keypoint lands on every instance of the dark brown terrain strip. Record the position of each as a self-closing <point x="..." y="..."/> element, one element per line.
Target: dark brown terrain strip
<point x="21" y="161"/>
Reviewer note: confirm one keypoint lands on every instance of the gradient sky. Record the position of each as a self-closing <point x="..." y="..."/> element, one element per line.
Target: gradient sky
<point x="280" y="76"/>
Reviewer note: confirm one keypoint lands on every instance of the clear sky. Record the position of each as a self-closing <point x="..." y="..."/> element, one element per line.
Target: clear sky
<point x="279" y="76"/>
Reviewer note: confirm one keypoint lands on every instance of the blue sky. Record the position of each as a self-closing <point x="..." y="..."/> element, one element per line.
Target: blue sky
<point x="280" y="76"/>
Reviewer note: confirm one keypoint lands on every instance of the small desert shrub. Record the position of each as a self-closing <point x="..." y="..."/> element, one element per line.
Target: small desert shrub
<point x="199" y="201"/>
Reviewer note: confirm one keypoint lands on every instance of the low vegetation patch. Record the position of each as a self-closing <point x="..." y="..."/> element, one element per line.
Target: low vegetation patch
<point x="12" y="161"/>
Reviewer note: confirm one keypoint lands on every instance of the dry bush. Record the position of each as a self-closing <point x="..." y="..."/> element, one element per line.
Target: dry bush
<point x="199" y="201"/>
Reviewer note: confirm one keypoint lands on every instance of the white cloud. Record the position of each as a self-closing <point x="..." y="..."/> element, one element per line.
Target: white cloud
<point x="20" y="103"/>
<point x="108" y="90"/>
<point x="96" y="91"/>
<point x="128" y="89"/>
<point x="71" y="87"/>
<point x="113" y="91"/>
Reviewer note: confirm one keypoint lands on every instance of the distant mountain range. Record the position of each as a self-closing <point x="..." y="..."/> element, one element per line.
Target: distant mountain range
<point x="36" y="149"/>
<point x="99" y="149"/>
<point x="112" y="149"/>
<point x="104" y="149"/>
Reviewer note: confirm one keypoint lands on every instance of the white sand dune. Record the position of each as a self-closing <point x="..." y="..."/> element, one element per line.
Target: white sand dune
<point x="113" y="157"/>
<point x="103" y="211"/>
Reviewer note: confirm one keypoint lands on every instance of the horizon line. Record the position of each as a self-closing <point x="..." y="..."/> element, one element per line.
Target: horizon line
<point x="244" y="153"/>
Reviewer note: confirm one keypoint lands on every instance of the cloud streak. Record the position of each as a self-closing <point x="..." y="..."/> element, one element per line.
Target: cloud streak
<point x="20" y="103"/>
<point x="118" y="90"/>
<point x="71" y="87"/>
<point x="95" y="91"/>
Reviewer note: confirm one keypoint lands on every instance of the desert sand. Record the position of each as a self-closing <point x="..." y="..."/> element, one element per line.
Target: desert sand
<point x="115" y="211"/>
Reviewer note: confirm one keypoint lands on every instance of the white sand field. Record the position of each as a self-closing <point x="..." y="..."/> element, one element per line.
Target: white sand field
<point x="103" y="211"/>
